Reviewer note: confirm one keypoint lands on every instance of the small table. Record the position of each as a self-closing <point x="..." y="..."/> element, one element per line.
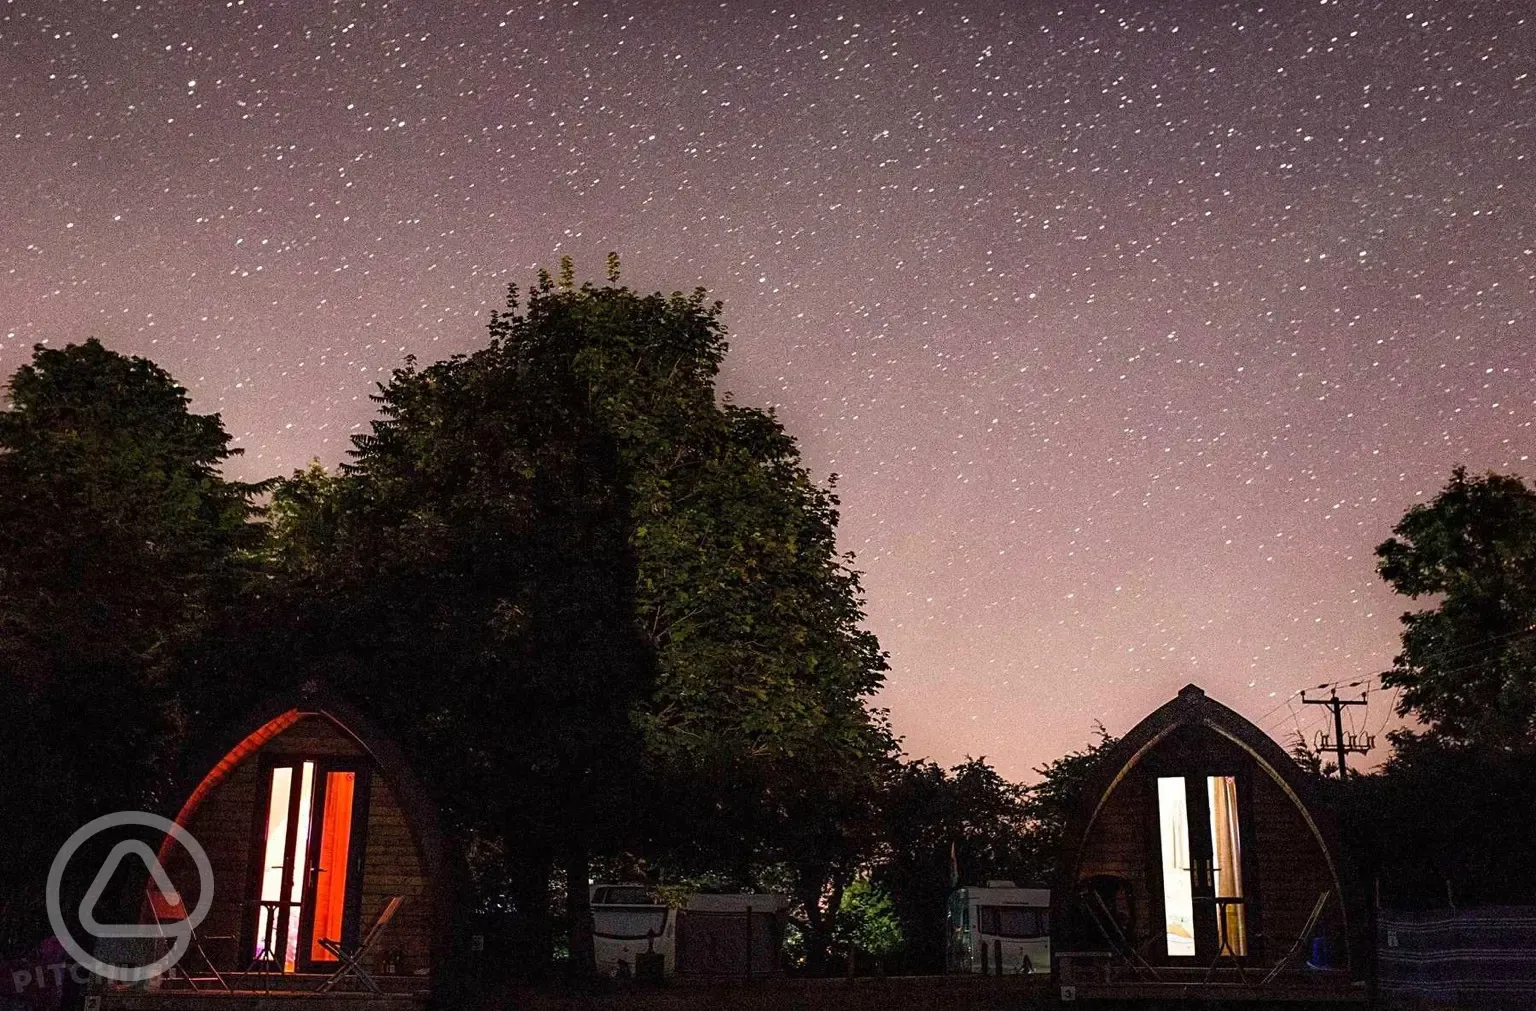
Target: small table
<point x="266" y="955"/>
<point x="1222" y="903"/>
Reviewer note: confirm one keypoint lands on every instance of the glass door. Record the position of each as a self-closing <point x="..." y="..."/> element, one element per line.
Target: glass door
<point x="310" y="847"/>
<point x="1228" y="900"/>
<point x="1201" y="860"/>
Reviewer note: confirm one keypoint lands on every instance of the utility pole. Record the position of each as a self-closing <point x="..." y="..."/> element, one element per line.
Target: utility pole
<point x="1340" y="746"/>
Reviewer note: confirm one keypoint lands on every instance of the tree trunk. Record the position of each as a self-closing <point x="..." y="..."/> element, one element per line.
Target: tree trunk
<point x="533" y="946"/>
<point x="819" y="923"/>
<point x="578" y="908"/>
<point x="815" y="936"/>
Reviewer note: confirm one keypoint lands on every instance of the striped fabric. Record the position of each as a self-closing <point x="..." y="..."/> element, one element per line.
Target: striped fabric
<point x="1475" y="958"/>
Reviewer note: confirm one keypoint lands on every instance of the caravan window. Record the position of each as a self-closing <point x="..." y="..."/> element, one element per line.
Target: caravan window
<point x="625" y="895"/>
<point x="1012" y="921"/>
<point x="629" y="924"/>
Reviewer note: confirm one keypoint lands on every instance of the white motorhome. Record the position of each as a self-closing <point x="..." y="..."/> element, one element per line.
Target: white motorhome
<point x="1001" y="929"/>
<point x="711" y="935"/>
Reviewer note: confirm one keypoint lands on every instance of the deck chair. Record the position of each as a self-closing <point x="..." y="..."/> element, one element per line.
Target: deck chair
<point x="1091" y="894"/>
<point x="1301" y="940"/>
<point x="352" y="961"/>
<point x="173" y="909"/>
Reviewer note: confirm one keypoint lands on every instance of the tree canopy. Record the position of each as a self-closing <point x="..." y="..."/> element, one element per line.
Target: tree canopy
<point x="1467" y="670"/>
<point x="119" y="539"/>
<point x="1468" y="664"/>
<point x="562" y="561"/>
<point x="967" y="825"/>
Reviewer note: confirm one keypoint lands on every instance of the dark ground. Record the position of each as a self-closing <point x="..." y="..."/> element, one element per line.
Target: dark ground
<point x="919" y="993"/>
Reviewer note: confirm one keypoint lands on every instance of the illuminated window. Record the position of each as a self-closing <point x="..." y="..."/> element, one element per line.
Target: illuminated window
<point x="283" y="868"/>
<point x="1178" y="890"/>
<point x="331" y="868"/>
<point x="273" y="864"/>
<point x="1213" y="878"/>
<point x="1227" y="860"/>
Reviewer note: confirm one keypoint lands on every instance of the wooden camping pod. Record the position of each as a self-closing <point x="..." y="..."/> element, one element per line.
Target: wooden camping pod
<point x="387" y="831"/>
<point x="1117" y="845"/>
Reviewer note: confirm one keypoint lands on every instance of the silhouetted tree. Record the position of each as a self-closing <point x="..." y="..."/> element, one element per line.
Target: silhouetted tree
<point x="1468" y="670"/>
<point x="476" y="559"/>
<point x="1468" y="665"/>
<point x="612" y="606"/>
<point x="1478" y="848"/>
<point x="1054" y="802"/>
<point x="942" y="828"/>
<point x="118" y="540"/>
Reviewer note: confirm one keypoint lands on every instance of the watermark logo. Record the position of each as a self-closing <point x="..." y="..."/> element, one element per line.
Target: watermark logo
<point x="178" y="930"/>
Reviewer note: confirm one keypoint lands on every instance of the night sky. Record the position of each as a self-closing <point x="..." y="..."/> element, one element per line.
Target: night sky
<point x="1130" y="329"/>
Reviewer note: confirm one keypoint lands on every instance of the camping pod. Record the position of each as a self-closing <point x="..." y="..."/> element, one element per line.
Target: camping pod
<point x="312" y="823"/>
<point x="1198" y="845"/>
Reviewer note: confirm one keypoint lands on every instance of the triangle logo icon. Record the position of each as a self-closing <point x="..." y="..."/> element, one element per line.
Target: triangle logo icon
<point x="93" y="894"/>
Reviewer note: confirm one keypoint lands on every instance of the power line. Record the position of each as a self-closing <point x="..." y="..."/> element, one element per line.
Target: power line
<point x="1444" y="654"/>
<point x="1391" y="709"/>
<point x="1463" y="668"/>
<point x="1304" y="725"/>
<point x="1279" y="705"/>
<point x="1296" y="719"/>
<point x="1342" y="683"/>
<point x="1358" y="682"/>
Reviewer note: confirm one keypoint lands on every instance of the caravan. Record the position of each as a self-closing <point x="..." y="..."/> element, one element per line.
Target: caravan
<point x="999" y="930"/>
<point x="628" y="921"/>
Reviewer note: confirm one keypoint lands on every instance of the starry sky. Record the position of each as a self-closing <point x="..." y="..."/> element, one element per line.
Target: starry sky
<point x="1130" y="328"/>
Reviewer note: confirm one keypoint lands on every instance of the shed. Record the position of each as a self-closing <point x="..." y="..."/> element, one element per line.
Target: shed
<point x="731" y="935"/>
<point x="1199" y="843"/>
<point x="312" y="821"/>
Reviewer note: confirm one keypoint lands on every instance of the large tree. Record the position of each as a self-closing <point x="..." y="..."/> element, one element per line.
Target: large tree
<point x="118" y="539"/>
<point x="563" y="564"/>
<point x="1468" y="664"/>
<point x="1467" y="669"/>
<point x="471" y="573"/>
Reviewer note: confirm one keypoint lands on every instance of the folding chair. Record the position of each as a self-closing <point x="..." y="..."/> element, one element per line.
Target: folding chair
<point x="352" y="961"/>
<point x="171" y="909"/>
<point x="1092" y="899"/>
<point x="1301" y="939"/>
